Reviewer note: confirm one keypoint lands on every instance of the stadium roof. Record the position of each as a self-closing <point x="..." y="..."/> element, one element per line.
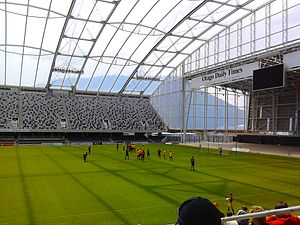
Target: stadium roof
<point x="124" y="46"/>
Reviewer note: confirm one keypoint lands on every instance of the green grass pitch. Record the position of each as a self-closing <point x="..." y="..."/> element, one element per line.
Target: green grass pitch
<point x="52" y="185"/>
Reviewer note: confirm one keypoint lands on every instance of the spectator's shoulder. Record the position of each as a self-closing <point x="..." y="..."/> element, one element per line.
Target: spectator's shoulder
<point x="233" y="222"/>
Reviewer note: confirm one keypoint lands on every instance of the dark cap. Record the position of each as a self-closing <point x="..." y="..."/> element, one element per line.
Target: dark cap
<point x="199" y="211"/>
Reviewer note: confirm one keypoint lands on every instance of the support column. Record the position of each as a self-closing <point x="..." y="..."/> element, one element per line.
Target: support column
<point x="183" y="129"/>
<point x="246" y="110"/>
<point x="297" y="121"/>
<point x="226" y="111"/>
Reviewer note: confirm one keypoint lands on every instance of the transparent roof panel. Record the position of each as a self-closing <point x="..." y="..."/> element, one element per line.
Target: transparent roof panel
<point x="168" y="43"/>
<point x="117" y="46"/>
<point x="255" y="4"/>
<point x="232" y="18"/>
<point x="193" y="46"/>
<point x="205" y="11"/>
<point x="219" y="13"/>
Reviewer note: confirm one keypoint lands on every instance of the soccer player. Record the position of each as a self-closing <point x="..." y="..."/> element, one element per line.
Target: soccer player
<point x="127" y="154"/>
<point x="164" y="153"/>
<point x="148" y="153"/>
<point x="159" y="153"/>
<point x="139" y="154"/>
<point x="170" y="155"/>
<point x="89" y="149"/>
<point x="193" y="163"/>
<point x="143" y="155"/>
<point x="230" y="206"/>
<point x="220" y="150"/>
<point x="84" y="155"/>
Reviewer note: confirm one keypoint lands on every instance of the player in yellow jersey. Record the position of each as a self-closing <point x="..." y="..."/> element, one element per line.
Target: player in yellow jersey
<point x="164" y="153"/>
<point x="230" y="206"/>
<point x="170" y="155"/>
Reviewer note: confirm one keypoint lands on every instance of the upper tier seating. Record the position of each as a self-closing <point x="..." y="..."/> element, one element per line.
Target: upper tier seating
<point x="41" y="111"/>
<point x="85" y="113"/>
<point x="48" y="111"/>
<point x="123" y="113"/>
<point x="8" y="108"/>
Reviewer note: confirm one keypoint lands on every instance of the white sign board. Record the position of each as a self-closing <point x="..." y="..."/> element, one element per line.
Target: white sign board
<point x="225" y="76"/>
<point x="291" y="60"/>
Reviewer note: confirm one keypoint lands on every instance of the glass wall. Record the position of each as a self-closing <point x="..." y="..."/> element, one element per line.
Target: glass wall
<point x="272" y="28"/>
<point x="208" y="108"/>
<point x="167" y="99"/>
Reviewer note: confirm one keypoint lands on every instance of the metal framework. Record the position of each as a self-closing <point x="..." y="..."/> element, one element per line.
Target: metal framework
<point x="151" y="48"/>
<point x="109" y="43"/>
<point x="264" y="35"/>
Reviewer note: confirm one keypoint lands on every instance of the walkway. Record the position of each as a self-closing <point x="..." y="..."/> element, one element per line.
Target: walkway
<point x="291" y="151"/>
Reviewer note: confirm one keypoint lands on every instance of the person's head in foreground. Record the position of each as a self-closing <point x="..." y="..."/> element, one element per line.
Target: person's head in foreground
<point x="199" y="211"/>
<point x="281" y="205"/>
<point x="242" y="212"/>
<point x="258" y="220"/>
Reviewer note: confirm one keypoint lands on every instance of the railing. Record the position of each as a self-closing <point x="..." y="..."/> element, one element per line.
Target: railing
<point x="261" y="214"/>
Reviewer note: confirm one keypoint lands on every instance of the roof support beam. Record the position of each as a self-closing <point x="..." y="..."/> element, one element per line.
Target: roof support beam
<point x="81" y="39"/>
<point x="93" y="45"/>
<point x="159" y="66"/>
<point x="192" y="38"/>
<point x="5" y="48"/>
<point x="160" y="41"/>
<point x="41" y="45"/>
<point x="211" y="23"/>
<point x="168" y="51"/>
<point x="59" y="43"/>
<point x="230" y="5"/>
<point x="23" y="48"/>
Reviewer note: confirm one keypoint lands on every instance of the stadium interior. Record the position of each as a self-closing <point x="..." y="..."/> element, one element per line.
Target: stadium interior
<point x="140" y="71"/>
<point x="101" y="77"/>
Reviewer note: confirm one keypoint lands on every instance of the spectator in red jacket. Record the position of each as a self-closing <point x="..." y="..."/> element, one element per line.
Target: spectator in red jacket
<point x="282" y="219"/>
